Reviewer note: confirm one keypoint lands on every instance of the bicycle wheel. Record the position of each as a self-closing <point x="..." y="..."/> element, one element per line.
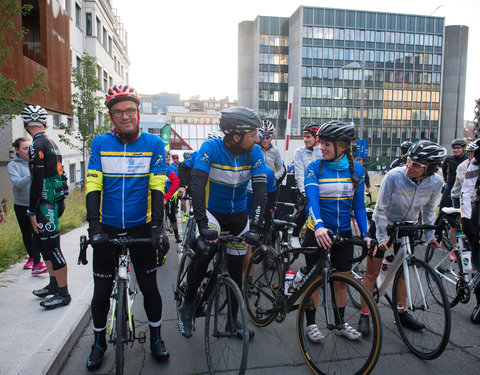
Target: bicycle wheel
<point x="336" y="354"/>
<point x="358" y="270"/>
<point x="446" y="262"/>
<point x="260" y="290"/>
<point x="181" y="285"/>
<point x="425" y="289"/>
<point x="120" y="327"/>
<point x="225" y="350"/>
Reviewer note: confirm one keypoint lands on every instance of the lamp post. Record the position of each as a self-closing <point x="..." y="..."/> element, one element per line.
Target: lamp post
<point x="359" y="66"/>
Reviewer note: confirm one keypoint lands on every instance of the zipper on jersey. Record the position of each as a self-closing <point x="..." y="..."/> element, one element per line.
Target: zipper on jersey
<point x="338" y="206"/>
<point x="123" y="184"/>
<point x="234" y="184"/>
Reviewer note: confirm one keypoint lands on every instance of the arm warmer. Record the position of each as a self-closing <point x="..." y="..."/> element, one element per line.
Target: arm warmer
<point x="259" y="187"/>
<point x="197" y="191"/>
<point x="175" y="182"/>
<point x="157" y="207"/>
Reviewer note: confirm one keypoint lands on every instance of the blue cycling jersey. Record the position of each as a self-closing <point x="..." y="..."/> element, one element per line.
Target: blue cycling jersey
<point x="124" y="173"/>
<point x="191" y="160"/>
<point x="331" y="197"/>
<point x="170" y="169"/>
<point x="271" y="187"/>
<point x="228" y="175"/>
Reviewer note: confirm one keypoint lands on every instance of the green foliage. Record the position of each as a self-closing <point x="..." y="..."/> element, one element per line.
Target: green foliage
<point x="12" y="100"/>
<point x="85" y="107"/>
<point x="11" y="244"/>
<point x="382" y="160"/>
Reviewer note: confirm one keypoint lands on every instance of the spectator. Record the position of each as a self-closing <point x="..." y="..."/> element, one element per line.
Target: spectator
<point x="19" y="174"/>
<point x="367" y="177"/>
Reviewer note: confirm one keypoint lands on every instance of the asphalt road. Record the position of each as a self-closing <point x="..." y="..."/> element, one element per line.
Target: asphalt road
<point x="274" y="350"/>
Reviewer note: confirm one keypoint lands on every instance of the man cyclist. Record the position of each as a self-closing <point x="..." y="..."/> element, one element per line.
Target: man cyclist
<point x="404" y="193"/>
<point x="402" y="160"/>
<point x="124" y="194"/>
<point x="271" y="154"/>
<point x="48" y="190"/>
<point x="302" y="158"/>
<point x="225" y="166"/>
<point x="449" y="170"/>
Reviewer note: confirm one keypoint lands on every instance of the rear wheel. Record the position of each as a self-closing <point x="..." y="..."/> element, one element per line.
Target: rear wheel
<point x="226" y="349"/>
<point x="120" y="328"/>
<point x="261" y="285"/>
<point x="426" y="290"/>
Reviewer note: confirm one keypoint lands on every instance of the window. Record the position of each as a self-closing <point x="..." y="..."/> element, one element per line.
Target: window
<point x="104" y="37"/>
<point x="72" y="173"/>
<point x="78" y="15"/>
<point x="68" y="7"/>
<point x="70" y="122"/>
<point x="79" y="63"/>
<point x="99" y="29"/>
<point x="110" y="45"/>
<point x="88" y="24"/>
<point x="105" y="81"/>
<point x="32" y="41"/>
<point x="56" y="121"/>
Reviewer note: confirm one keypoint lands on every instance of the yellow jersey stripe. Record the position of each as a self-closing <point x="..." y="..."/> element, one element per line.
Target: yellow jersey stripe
<point x="240" y="168"/>
<point x="121" y="153"/>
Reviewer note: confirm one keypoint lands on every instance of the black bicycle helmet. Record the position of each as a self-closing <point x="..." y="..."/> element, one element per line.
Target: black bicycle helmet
<point x="311" y="128"/>
<point x="428" y="153"/>
<point x="405" y="146"/>
<point x="458" y="142"/>
<point x="239" y="120"/>
<point x="337" y="131"/>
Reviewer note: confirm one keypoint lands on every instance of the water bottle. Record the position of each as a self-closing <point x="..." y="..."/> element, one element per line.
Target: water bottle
<point x="467" y="260"/>
<point x="289" y="276"/>
<point x="386" y="264"/>
<point x="299" y="276"/>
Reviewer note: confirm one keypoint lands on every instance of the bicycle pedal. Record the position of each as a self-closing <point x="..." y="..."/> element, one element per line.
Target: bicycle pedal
<point x="142" y="337"/>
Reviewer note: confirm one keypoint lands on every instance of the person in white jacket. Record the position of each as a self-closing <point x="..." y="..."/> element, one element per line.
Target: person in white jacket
<point x="302" y="158"/>
<point x="19" y="174"/>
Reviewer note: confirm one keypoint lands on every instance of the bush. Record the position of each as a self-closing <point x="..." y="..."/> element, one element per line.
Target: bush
<point x="11" y="243"/>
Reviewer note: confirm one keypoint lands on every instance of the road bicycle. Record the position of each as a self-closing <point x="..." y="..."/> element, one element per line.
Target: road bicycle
<point x="452" y="262"/>
<point x="226" y="349"/>
<point x="167" y="226"/>
<point x="189" y="231"/>
<point x="426" y="300"/>
<point x="121" y="330"/>
<point x="264" y="294"/>
<point x="276" y="233"/>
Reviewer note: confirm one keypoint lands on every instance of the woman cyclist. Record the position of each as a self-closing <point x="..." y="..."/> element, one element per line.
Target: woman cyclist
<point x="333" y="186"/>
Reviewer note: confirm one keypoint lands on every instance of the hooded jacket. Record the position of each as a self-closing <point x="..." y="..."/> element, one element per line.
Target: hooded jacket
<point x="19" y="174"/>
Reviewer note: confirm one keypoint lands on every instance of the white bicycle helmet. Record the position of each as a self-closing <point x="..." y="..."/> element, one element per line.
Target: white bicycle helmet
<point x="34" y="115"/>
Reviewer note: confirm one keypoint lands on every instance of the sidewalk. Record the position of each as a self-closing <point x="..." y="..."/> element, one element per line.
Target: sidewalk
<point x="34" y="340"/>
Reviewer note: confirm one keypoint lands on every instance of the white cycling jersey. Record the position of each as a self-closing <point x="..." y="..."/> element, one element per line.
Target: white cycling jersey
<point x="273" y="159"/>
<point x="401" y="199"/>
<point x="303" y="157"/>
<point x="469" y="189"/>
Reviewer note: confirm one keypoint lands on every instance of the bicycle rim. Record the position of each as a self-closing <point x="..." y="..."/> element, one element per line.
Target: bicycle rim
<point x="181" y="285"/>
<point x="426" y="289"/>
<point x="449" y="268"/>
<point x="120" y="328"/>
<point x="261" y="288"/>
<point x="336" y="354"/>
<point x="226" y="351"/>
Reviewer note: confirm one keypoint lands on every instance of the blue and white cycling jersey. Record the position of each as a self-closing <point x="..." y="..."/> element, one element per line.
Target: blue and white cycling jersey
<point x="229" y="174"/>
<point x="331" y="197"/>
<point x="271" y="187"/>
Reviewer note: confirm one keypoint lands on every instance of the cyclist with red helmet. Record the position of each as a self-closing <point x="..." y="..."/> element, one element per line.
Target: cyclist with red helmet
<point x="125" y="191"/>
<point x="303" y="157"/>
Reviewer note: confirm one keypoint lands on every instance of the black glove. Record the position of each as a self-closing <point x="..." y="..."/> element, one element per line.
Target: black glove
<point x="157" y="235"/>
<point x="468" y="228"/>
<point x="252" y="238"/>
<point x="96" y="234"/>
<point x="208" y="234"/>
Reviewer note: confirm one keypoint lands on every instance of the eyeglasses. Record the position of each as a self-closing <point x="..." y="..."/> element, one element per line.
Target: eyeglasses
<point x="415" y="164"/>
<point x="265" y="137"/>
<point x="456" y="147"/>
<point x="118" y="113"/>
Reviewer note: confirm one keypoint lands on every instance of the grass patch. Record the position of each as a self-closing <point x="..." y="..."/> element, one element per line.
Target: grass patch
<point x="11" y="244"/>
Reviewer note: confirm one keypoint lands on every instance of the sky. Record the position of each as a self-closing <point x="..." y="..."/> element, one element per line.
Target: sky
<point x="190" y="47"/>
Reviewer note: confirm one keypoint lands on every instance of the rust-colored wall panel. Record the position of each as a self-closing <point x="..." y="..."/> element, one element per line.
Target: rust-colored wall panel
<point x="55" y="40"/>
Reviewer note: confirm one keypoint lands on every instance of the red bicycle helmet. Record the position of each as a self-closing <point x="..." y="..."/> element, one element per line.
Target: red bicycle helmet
<point x="119" y="93"/>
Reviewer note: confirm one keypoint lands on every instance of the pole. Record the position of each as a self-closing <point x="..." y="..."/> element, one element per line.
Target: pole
<point x="289" y="120"/>
<point x="362" y="96"/>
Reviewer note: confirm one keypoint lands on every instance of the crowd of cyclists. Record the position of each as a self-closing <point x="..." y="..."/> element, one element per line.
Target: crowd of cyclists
<point x="233" y="181"/>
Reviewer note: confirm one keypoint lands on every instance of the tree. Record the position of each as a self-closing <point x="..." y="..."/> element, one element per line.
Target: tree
<point x="12" y="100"/>
<point x="85" y="107"/>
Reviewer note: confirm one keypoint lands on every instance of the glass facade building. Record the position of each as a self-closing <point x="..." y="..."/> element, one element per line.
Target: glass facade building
<point x="399" y="57"/>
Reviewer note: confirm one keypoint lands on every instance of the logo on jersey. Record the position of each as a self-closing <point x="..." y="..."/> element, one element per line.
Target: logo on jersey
<point x="205" y="159"/>
<point x="40" y="154"/>
<point x="258" y="164"/>
<point x="159" y="161"/>
<point x="310" y="174"/>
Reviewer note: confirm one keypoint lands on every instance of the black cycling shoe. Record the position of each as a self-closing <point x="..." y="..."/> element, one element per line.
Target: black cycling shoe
<point x="186" y="319"/>
<point x="238" y="330"/>
<point x="95" y="358"/>
<point x="178" y="239"/>
<point x="48" y="290"/>
<point x="409" y="322"/>
<point x="157" y="346"/>
<point x="364" y="325"/>
<point x="56" y="301"/>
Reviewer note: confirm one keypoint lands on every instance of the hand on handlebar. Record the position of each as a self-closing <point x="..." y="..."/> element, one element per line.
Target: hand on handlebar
<point x="435" y="244"/>
<point x="383" y="245"/>
<point x="323" y="238"/>
<point x="210" y="235"/>
<point x="182" y="191"/>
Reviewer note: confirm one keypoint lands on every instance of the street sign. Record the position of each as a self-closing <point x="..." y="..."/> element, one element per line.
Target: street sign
<point x="362" y="148"/>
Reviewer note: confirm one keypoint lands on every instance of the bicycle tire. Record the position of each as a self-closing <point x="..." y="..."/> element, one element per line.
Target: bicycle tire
<point x="336" y="354"/>
<point x="357" y="272"/>
<point x="181" y="284"/>
<point x="449" y="270"/>
<point x="430" y="342"/>
<point x="120" y="327"/>
<point x="224" y="350"/>
<point x="260" y="292"/>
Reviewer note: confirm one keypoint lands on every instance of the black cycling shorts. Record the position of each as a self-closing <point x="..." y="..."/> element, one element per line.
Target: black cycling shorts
<point x="48" y="215"/>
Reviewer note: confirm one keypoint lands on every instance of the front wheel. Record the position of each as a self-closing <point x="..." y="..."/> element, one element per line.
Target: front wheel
<point x="336" y="354"/>
<point x="226" y="348"/>
<point x="426" y="290"/>
<point x="181" y="285"/>
<point x="120" y="327"/>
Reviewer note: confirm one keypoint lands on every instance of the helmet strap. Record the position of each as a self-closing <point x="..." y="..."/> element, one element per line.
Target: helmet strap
<point x="232" y="146"/>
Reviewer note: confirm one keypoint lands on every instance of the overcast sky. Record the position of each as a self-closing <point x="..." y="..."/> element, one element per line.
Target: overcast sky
<point x="190" y="47"/>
